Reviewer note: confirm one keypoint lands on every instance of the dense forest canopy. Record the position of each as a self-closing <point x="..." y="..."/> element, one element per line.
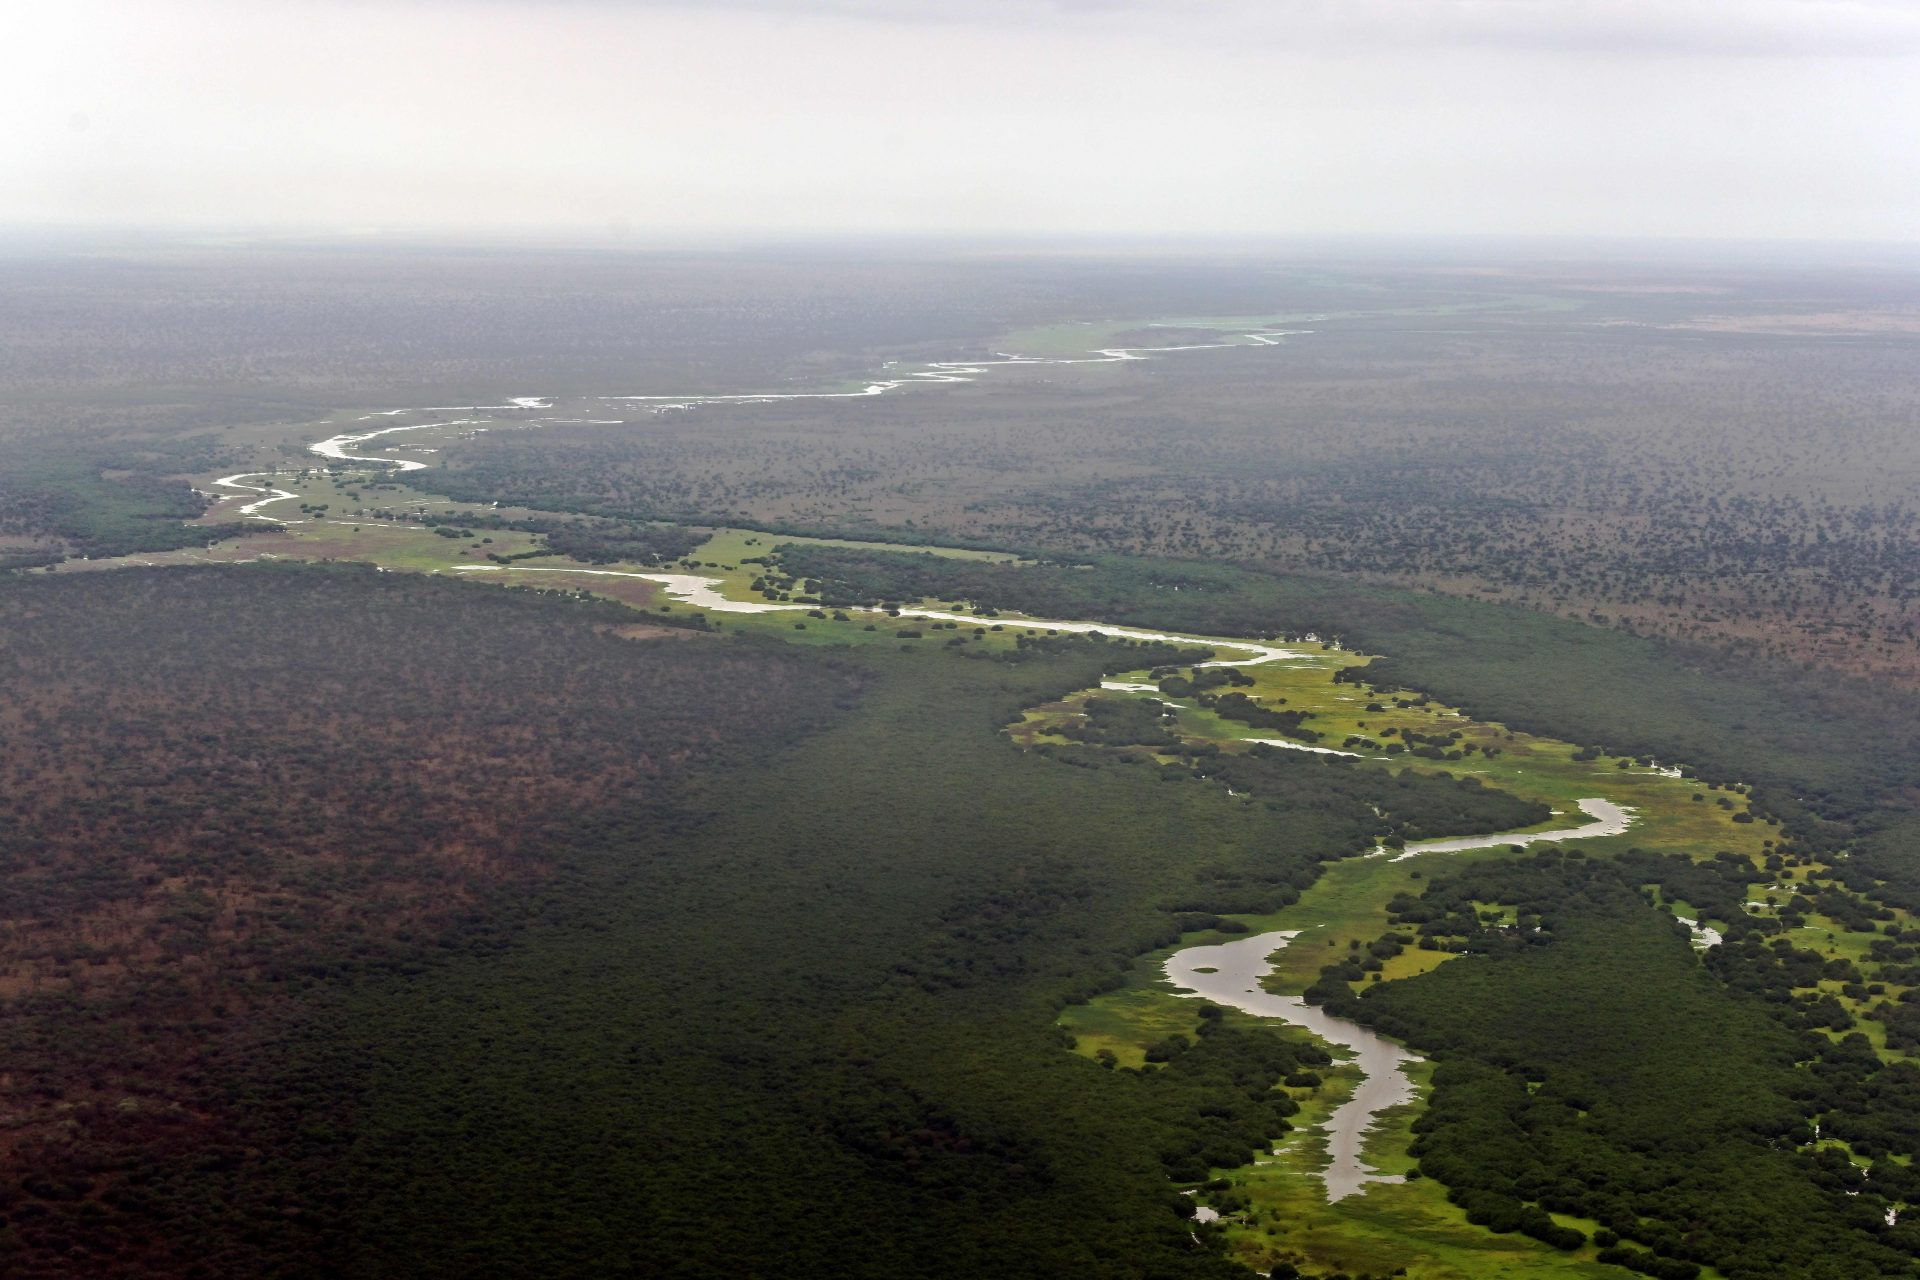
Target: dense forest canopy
<point x="1591" y="1066"/>
<point x="227" y="787"/>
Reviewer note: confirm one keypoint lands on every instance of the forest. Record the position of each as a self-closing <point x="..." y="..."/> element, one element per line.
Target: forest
<point x="555" y="962"/>
<point x="55" y="502"/>
<point x="205" y="820"/>
<point x="1834" y="752"/>
<point x="466" y="918"/>
<point x="1590" y="1066"/>
<point x="1615" y="464"/>
<point x="374" y="922"/>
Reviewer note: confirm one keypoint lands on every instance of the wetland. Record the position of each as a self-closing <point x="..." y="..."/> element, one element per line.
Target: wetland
<point x="1102" y="895"/>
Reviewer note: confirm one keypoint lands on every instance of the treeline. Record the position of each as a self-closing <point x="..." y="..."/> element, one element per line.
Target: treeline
<point x="1413" y="805"/>
<point x="592" y="540"/>
<point x="1118" y="653"/>
<point x="1241" y="709"/>
<point x="862" y="577"/>
<point x="1379" y="806"/>
<point x="102" y="501"/>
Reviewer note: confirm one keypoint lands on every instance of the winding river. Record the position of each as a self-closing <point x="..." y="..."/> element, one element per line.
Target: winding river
<point x="705" y="593"/>
<point x="251" y="510"/>
<point x="937" y="371"/>
<point x="1609" y="819"/>
<point x="1231" y="974"/>
<point x="932" y="372"/>
<point x="1228" y="973"/>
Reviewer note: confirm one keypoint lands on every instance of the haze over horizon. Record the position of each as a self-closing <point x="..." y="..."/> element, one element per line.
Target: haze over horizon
<point x="1739" y="119"/>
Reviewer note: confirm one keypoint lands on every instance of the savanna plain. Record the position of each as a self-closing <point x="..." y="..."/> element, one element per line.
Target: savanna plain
<point x="524" y="761"/>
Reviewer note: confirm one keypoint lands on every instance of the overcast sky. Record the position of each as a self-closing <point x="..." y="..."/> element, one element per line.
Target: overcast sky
<point x="1720" y="118"/>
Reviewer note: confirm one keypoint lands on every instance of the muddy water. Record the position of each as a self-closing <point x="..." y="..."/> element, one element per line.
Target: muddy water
<point x="1609" y="819"/>
<point x="1229" y="974"/>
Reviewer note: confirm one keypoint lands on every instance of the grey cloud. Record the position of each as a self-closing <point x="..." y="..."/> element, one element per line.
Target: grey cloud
<point x="1072" y="117"/>
<point x="1767" y="28"/>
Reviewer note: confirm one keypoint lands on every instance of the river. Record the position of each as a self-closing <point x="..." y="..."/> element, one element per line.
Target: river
<point x="1230" y="974"/>
<point x="1609" y="819"/>
<point x="1250" y="335"/>
<point x="1227" y="973"/>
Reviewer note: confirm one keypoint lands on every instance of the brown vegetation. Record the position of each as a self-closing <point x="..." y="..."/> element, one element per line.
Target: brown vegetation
<point x="222" y="785"/>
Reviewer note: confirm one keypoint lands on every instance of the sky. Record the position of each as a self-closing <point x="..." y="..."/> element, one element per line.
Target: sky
<point x="1742" y="119"/>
